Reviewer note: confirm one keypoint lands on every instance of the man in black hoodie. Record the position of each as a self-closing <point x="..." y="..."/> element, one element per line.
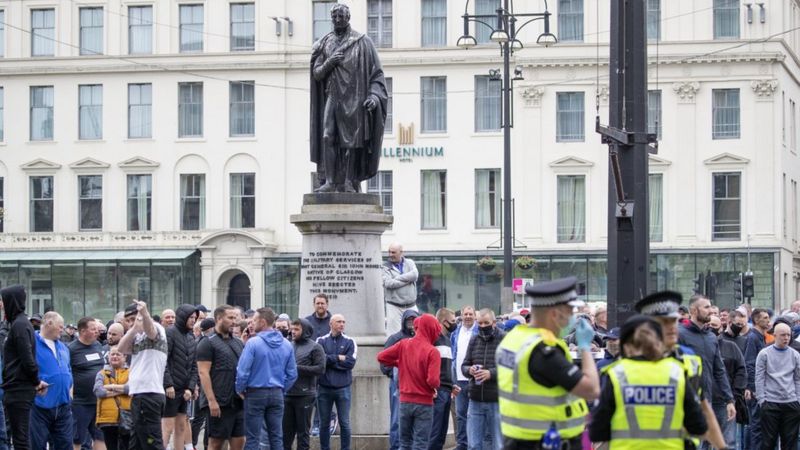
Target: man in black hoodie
<point x="20" y="372"/>
<point x="299" y="401"/>
<point x="406" y="332"/>
<point x="180" y="376"/>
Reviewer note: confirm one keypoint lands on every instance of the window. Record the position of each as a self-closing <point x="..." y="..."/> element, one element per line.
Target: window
<point x="242" y="108"/>
<point x="434" y="199"/>
<point x="434" y="105"/>
<point x="434" y="23"/>
<point x="2" y="113"/>
<point x="140" y="189"/>
<point x="569" y="111"/>
<point x="2" y="204"/>
<point x="725" y="114"/>
<point x="570" y="20"/>
<point x="387" y="125"/>
<point x="2" y="37"/>
<point x="91" y="24"/>
<point x="379" y="22"/>
<point x="571" y="208"/>
<point x="191" y="28"/>
<point x="487" y="104"/>
<point x="41" y="212"/>
<point x="190" y="109"/>
<point x="485" y="8"/>
<point x="90" y="111"/>
<point x="654" y="112"/>
<point x="140" y="105"/>
<point x="656" y="193"/>
<point x="41" y="113"/>
<point x="90" y="198"/>
<point x="322" y="18"/>
<point x="381" y="184"/>
<point x="140" y="30"/>
<point x="243" y="200"/>
<point x="487" y="198"/>
<point x="727" y="206"/>
<point x="792" y="125"/>
<point x="243" y="26"/>
<point x="726" y="19"/>
<point x="43" y="32"/>
<point x="654" y="19"/>
<point x="193" y="202"/>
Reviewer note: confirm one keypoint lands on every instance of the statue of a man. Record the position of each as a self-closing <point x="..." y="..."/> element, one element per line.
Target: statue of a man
<point x="348" y="106"/>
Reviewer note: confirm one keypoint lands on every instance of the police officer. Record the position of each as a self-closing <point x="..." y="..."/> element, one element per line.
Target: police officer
<point x="664" y="306"/>
<point x="646" y="402"/>
<point x="542" y="393"/>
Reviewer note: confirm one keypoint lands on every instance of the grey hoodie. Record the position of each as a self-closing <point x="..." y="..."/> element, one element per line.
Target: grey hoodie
<point x="310" y="358"/>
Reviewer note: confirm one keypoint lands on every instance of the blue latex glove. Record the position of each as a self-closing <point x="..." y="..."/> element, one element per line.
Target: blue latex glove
<point x="584" y="335"/>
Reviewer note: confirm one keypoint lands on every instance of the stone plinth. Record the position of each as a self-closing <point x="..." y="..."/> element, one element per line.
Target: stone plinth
<point x="342" y="258"/>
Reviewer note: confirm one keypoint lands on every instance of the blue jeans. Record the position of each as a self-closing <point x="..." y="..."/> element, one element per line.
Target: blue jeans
<point x="462" y="407"/>
<point x="326" y="398"/>
<point x="394" y="412"/>
<point x="483" y="421"/>
<point x="441" y="418"/>
<point x="752" y="432"/>
<point x="728" y="428"/>
<point x="263" y="406"/>
<point x="3" y="433"/>
<point x="415" y="425"/>
<point x="53" y="425"/>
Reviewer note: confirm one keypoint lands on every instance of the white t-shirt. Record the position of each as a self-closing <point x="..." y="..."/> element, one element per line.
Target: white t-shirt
<point x="461" y="348"/>
<point x="52" y="345"/>
<point x="148" y="361"/>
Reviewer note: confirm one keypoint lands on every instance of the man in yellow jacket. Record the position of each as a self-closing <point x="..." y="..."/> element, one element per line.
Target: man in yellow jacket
<point x="541" y="391"/>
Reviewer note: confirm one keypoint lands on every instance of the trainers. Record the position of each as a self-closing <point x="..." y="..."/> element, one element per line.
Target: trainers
<point x="315" y="431"/>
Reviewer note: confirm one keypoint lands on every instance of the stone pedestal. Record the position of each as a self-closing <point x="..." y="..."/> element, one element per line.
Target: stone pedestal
<point x="342" y="258"/>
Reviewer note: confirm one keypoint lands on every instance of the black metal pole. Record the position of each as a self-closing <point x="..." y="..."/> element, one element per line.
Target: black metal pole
<point x="508" y="238"/>
<point x="628" y="237"/>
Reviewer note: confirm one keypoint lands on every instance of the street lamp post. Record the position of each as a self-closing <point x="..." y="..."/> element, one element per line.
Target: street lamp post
<point x="505" y="33"/>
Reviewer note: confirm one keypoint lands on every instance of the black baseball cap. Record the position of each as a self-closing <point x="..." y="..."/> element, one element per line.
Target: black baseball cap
<point x="131" y="310"/>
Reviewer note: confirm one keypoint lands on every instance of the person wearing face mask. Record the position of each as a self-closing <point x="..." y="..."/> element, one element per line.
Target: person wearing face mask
<point x="483" y="413"/>
<point x="446" y="391"/>
<point x="733" y="360"/>
<point x="541" y="391"/>
<point x="282" y="326"/>
<point x="737" y="330"/>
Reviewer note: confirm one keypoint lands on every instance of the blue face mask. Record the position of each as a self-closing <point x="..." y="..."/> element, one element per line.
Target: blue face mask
<point x="569" y="327"/>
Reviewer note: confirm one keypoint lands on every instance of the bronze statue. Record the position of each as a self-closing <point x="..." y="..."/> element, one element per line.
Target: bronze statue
<point x="348" y="106"/>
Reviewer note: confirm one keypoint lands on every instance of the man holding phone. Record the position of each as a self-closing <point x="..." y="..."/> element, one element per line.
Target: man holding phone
<point x="146" y="341"/>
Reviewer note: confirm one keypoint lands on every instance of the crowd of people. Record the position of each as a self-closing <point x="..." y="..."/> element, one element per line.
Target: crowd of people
<point x="683" y="376"/>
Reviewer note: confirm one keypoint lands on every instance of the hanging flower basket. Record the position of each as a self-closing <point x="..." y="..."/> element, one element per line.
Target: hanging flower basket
<point x="525" y="263"/>
<point x="487" y="263"/>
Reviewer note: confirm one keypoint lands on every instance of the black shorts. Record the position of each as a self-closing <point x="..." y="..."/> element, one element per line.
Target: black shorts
<point x="175" y="406"/>
<point x="230" y="424"/>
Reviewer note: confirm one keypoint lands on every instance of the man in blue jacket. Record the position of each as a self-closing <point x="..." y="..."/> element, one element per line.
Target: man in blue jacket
<point x="266" y="371"/>
<point x="51" y="415"/>
<point x="334" y="385"/>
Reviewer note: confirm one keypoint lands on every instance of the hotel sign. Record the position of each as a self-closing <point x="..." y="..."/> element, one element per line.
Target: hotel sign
<point x="406" y="151"/>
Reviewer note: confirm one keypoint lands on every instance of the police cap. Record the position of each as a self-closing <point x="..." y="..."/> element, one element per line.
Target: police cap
<point x="662" y="304"/>
<point x="554" y="293"/>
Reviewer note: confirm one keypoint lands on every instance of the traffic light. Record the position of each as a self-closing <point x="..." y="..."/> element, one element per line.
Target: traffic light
<point x="737" y="288"/>
<point x="748" y="285"/>
<point x="699" y="284"/>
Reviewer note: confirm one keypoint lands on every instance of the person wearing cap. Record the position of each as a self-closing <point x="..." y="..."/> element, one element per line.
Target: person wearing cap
<point x="612" y="349"/>
<point x="647" y="401"/>
<point x="282" y="325"/>
<point x="36" y="321"/>
<point x="180" y="376"/>
<point x="540" y="389"/>
<point x="664" y="308"/>
<point x="68" y="335"/>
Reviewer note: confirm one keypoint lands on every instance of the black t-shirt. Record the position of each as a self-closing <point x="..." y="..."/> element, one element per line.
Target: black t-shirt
<point x="223" y="353"/>
<point x="86" y="361"/>
<point x="549" y="367"/>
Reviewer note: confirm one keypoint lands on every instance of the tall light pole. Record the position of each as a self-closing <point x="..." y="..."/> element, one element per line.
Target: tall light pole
<point x="505" y="32"/>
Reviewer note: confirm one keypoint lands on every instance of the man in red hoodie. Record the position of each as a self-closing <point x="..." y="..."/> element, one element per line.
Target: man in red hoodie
<point x="419" y="365"/>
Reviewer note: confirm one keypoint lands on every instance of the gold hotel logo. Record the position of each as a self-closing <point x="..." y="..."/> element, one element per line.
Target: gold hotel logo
<point x="406" y="134"/>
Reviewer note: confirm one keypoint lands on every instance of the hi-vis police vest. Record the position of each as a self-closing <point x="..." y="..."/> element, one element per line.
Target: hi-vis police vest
<point x="649" y="404"/>
<point x="528" y="409"/>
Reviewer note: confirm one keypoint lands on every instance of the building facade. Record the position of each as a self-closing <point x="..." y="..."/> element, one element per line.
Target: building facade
<point x="155" y="149"/>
